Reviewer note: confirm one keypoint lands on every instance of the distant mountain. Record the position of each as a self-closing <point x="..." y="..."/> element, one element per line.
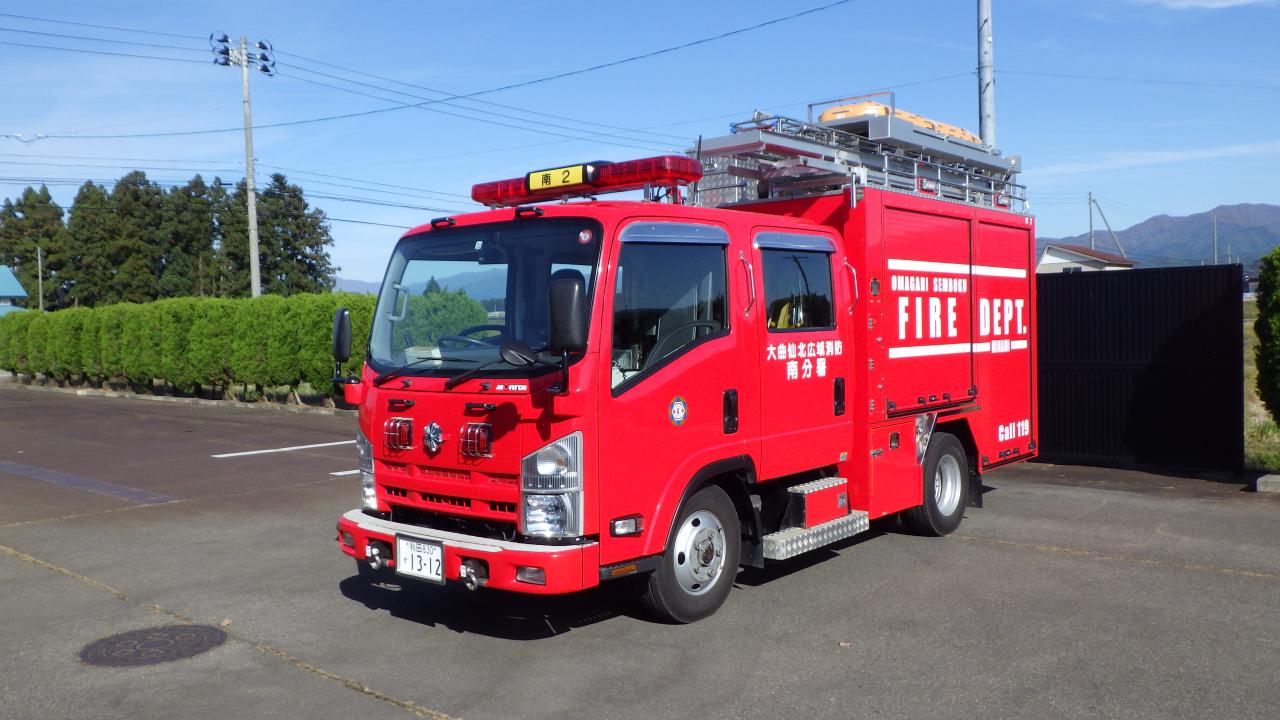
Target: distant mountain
<point x="481" y="284"/>
<point x="1249" y="230"/>
<point x="356" y="286"/>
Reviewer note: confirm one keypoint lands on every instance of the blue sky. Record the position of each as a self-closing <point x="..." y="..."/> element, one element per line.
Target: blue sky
<point x="1206" y="137"/>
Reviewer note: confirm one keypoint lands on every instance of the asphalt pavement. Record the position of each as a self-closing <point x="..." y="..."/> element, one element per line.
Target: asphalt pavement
<point x="1075" y="592"/>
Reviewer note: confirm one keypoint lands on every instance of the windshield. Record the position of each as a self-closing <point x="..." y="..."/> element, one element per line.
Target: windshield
<point x="452" y="296"/>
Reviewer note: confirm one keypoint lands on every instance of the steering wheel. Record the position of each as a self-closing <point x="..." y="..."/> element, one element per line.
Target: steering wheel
<point x="460" y="338"/>
<point x="671" y="337"/>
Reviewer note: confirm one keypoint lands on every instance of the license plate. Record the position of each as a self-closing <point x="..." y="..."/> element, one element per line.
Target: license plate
<point x="422" y="559"/>
<point x="557" y="177"/>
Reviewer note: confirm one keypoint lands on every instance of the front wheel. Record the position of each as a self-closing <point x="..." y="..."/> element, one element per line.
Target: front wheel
<point x="946" y="485"/>
<point x="700" y="562"/>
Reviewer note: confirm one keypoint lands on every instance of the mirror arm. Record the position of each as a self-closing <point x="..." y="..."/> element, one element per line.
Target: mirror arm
<point x="563" y="387"/>
<point x="340" y="379"/>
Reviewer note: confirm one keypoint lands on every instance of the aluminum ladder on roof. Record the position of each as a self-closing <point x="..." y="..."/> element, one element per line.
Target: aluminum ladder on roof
<point x="777" y="157"/>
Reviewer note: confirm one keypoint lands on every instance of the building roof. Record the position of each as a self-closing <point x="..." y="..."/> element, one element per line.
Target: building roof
<point x="1105" y="257"/>
<point x="9" y="285"/>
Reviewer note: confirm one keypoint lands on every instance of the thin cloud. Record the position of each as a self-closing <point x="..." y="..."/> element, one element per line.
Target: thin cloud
<point x="1204" y="4"/>
<point x="1125" y="160"/>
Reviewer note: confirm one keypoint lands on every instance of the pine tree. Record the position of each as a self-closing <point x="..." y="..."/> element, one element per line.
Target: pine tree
<point x="34" y="220"/>
<point x="294" y="241"/>
<point x="137" y="242"/>
<point x="186" y="260"/>
<point x="231" y="230"/>
<point x="87" y="267"/>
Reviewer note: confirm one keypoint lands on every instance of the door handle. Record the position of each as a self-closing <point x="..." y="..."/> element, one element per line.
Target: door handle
<point x="730" y="412"/>
<point x="751" y="283"/>
<point x="838" y="405"/>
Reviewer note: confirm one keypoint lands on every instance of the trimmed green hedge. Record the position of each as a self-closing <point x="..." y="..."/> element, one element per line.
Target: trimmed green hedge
<point x="189" y="343"/>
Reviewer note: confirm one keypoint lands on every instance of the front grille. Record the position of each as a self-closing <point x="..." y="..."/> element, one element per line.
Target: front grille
<point x="446" y="500"/>
<point x="494" y="529"/>
<point x="502" y="507"/>
<point x="397" y="492"/>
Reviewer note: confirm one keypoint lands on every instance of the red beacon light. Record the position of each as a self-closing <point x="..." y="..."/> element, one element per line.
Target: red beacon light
<point x="589" y="179"/>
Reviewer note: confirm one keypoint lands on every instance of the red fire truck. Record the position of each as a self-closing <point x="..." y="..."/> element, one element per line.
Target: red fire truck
<point x="804" y="326"/>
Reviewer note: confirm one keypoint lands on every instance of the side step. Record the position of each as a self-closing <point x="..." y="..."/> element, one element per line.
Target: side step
<point x="824" y="501"/>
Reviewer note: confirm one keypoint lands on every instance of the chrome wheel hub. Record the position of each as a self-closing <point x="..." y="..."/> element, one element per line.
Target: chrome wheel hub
<point x="698" y="553"/>
<point x="947" y="481"/>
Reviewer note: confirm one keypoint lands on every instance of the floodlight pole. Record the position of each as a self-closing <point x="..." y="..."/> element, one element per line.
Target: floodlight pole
<point x="225" y="55"/>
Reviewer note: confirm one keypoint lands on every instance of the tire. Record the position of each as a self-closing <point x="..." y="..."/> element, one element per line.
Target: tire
<point x="698" y="568"/>
<point x="946" y="488"/>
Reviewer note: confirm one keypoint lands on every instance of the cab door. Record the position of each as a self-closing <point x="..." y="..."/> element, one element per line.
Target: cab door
<point x="803" y="347"/>
<point x="674" y="355"/>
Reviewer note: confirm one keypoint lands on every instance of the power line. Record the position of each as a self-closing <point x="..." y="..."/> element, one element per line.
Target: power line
<point x="103" y="40"/>
<point x="509" y="86"/>
<point x="327" y="217"/>
<point x="1146" y="81"/>
<point x="438" y="91"/>
<point x="451" y="104"/>
<point x="99" y="52"/>
<point x="423" y="106"/>
<point x="367" y="182"/>
<point x="100" y="27"/>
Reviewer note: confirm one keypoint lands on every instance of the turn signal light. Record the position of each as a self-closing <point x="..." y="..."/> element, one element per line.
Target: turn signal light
<point x="399" y="433"/>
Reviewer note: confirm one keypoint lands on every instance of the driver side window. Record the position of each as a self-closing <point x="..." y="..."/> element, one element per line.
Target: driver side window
<point x="667" y="297"/>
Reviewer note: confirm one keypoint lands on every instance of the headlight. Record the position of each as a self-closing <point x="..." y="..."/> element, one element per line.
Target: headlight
<point x="551" y="489"/>
<point x="367" y="489"/>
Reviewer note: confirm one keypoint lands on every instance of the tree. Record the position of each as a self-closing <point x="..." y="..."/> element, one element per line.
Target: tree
<point x="1267" y="328"/>
<point x="295" y="240"/>
<point x="34" y="220"/>
<point x="87" y="269"/>
<point x="135" y="249"/>
<point x="432" y="287"/>
<point x="187" y="250"/>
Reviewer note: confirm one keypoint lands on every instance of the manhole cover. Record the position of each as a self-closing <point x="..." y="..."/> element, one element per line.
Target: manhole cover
<point x="155" y="645"/>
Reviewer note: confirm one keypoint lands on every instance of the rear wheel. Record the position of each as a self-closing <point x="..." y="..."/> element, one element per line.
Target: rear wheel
<point x="697" y="570"/>
<point x="946" y="485"/>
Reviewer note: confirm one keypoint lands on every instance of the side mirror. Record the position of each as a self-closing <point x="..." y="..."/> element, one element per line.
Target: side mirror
<point x="567" y="302"/>
<point x="341" y="335"/>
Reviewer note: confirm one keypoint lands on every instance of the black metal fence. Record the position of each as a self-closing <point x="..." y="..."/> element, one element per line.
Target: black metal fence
<point x="1142" y="368"/>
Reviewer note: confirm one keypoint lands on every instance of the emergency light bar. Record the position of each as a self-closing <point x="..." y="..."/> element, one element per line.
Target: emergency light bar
<point x="589" y="179"/>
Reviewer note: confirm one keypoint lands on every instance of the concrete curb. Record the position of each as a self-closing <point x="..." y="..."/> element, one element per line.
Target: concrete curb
<point x="268" y="407"/>
<point x="1268" y="484"/>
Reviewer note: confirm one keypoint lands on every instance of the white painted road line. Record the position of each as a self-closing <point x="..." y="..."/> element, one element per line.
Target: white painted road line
<point x="283" y="449"/>
<point x="345" y="472"/>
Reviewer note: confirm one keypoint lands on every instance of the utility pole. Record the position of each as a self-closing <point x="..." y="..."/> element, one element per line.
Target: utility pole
<point x="40" y="275"/>
<point x="225" y="55"/>
<point x="986" y="77"/>
<point x="1214" y="215"/>
<point x="1102" y="215"/>
<point x="1091" y="245"/>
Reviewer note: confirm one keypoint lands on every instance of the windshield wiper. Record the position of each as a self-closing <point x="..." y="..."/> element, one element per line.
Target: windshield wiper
<point x="406" y="369"/>
<point x="523" y="354"/>
<point x="460" y="378"/>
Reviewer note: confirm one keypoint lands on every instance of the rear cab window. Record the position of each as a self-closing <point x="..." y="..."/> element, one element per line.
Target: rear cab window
<point x="797" y="281"/>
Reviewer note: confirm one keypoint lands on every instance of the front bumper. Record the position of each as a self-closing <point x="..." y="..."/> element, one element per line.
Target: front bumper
<point x="568" y="568"/>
